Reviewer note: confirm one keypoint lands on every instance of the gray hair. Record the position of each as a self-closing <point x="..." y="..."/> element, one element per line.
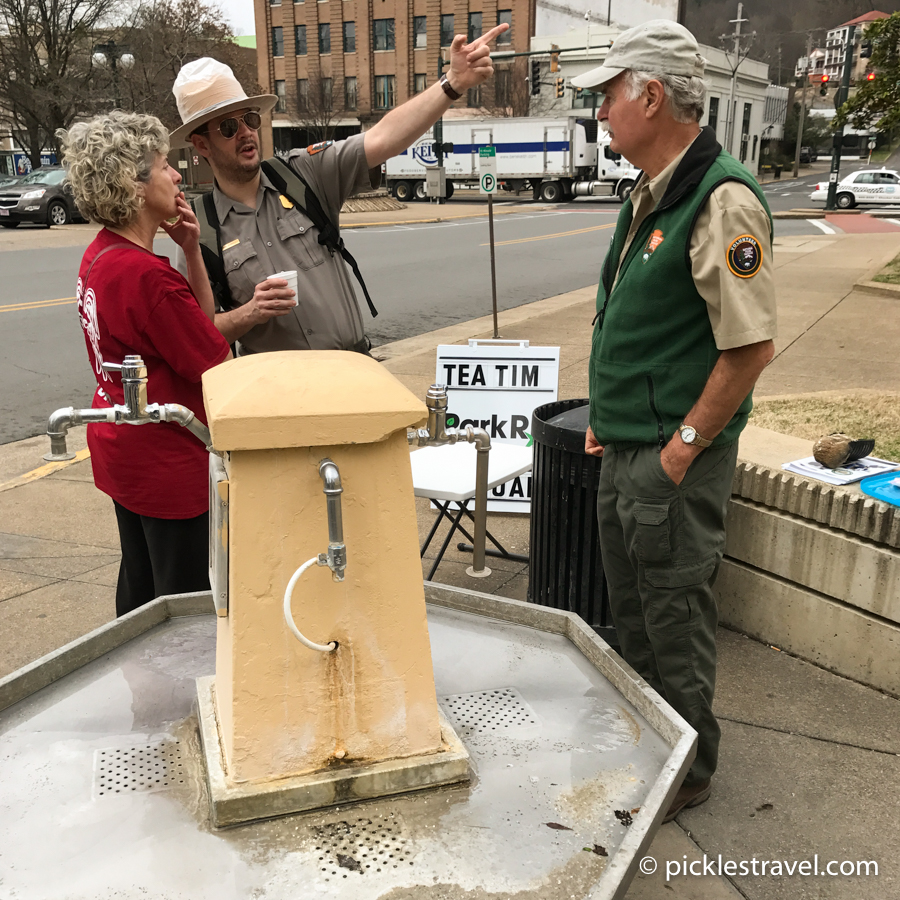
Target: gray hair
<point x="105" y="157"/>
<point x="686" y="93"/>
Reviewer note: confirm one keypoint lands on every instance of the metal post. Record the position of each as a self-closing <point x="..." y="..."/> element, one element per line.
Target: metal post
<point x="493" y="264"/>
<point x="837" y="140"/>
<point x="729" y="131"/>
<point x="478" y="568"/>
<point x="438" y="129"/>
<point x="802" y="107"/>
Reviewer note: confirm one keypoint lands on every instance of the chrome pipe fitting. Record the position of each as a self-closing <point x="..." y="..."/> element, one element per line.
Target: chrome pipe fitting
<point x="336" y="557"/>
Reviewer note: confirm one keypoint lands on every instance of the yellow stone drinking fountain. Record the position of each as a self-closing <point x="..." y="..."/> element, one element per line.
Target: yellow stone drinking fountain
<point x="323" y="689"/>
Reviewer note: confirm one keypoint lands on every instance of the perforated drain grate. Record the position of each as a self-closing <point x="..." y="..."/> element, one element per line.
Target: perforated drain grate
<point x="157" y="766"/>
<point x="502" y="711"/>
<point x="361" y="846"/>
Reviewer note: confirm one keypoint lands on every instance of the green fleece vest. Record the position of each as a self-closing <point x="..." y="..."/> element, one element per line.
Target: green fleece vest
<point x="653" y="347"/>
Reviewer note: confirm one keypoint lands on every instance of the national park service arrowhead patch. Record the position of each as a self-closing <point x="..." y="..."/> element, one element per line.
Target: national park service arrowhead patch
<point x="312" y="149"/>
<point x="745" y="256"/>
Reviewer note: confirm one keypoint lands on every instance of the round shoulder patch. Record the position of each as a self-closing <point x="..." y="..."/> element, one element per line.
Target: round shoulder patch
<point x="745" y="256"/>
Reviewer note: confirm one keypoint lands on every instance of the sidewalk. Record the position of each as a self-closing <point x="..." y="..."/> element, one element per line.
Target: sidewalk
<point x="810" y="762"/>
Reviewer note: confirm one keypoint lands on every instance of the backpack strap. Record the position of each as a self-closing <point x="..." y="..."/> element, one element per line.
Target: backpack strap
<point x="211" y="250"/>
<point x="298" y="191"/>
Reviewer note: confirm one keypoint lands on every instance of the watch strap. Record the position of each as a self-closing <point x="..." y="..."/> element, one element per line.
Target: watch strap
<point x="448" y="88"/>
<point x="697" y="441"/>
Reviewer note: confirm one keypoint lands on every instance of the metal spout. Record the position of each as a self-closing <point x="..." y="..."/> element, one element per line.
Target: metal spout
<point x="134" y="411"/>
<point x="336" y="557"/>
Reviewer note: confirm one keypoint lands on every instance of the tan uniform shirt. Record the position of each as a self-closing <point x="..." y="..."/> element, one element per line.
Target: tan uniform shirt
<point x="257" y="243"/>
<point x="741" y="310"/>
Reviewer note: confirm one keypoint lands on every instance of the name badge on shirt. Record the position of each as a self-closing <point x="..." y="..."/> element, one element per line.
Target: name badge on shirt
<point x="230" y="244"/>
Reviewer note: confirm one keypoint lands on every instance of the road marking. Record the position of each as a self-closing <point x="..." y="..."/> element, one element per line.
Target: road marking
<point x="36" y="304"/>
<point x="44" y="470"/>
<point x="819" y="224"/>
<point x="545" y="237"/>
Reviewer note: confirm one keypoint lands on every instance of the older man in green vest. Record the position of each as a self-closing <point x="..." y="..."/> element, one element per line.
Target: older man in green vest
<point x="684" y="326"/>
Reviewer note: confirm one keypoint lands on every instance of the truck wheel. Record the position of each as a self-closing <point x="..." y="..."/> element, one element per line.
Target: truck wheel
<point x="403" y="191"/>
<point x="449" y="189"/>
<point x="551" y="191"/>
<point x="57" y="214"/>
<point x="419" y="191"/>
<point x="625" y="190"/>
<point x="845" y="201"/>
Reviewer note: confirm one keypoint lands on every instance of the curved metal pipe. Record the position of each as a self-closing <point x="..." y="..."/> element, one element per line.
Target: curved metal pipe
<point x="336" y="557"/>
<point x="175" y="412"/>
<point x="62" y="420"/>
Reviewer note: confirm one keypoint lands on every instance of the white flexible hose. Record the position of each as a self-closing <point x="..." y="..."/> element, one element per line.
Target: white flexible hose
<point x="289" y="619"/>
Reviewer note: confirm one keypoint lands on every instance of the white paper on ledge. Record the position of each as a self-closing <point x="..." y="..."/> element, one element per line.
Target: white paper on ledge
<point x="846" y="474"/>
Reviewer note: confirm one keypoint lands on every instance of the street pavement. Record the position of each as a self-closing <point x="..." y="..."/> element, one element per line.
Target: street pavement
<point x="810" y="762"/>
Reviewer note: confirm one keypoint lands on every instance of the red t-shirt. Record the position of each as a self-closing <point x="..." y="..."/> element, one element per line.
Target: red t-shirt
<point x="136" y="303"/>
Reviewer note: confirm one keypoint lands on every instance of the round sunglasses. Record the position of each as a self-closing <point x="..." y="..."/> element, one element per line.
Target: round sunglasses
<point x="229" y="127"/>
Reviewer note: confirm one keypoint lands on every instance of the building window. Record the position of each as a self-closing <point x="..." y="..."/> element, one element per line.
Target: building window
<point x="350" y="92"/>
<point x="327" y="88"/>
<point x="274" y="2"/>
<point x="502" y="82"/>
<point x="446" y="29"/>
<point x="383" y="34"/>
<point x="300" y="40"/>
<point x="302" y="94"/>
<point x="349" y="37"/>
<point x="474" y="26"/>
<point x="277" y="41"/>
<point x="745" y="131"/>
<point x="473" y="97"/>
<point x="420" y="32"/>
<point x="384" y="91"/>
<point x="713" y="120"/>
<point x="421" y="82"/>
<point x="324" y="37"/>
<point x="505" y="15"/>
<point x="281" y="105"/>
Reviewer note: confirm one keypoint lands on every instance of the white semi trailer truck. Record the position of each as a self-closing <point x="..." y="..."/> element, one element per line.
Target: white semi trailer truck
<point x="558" y="158"/>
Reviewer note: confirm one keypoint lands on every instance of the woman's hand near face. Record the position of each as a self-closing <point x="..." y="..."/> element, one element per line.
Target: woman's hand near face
<point x="185" y="231"/>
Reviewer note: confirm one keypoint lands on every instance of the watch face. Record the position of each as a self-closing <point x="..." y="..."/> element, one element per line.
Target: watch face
<point x="688" y="434"/>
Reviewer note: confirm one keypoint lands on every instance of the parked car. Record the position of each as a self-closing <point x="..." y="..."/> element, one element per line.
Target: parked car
<point x="42" y="196"/>
<point x="8" y="179"/>
<point x="808" y="154"/>
<point x="865" y="186"/>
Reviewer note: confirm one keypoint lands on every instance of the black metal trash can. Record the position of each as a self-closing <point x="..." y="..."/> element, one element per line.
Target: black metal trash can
<point x="565" y="569"/>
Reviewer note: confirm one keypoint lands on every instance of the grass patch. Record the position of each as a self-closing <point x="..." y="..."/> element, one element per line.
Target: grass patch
<point x="890" y="274"/>
<point x="866" y="414"/>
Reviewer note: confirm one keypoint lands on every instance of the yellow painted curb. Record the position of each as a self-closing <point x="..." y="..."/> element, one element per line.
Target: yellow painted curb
<point x="44" y="470"/>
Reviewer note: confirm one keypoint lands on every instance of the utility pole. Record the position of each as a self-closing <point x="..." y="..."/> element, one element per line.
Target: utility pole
<point x="838" y="139"/>
<point x="802" y="107"/>
<point x="730" y="112"/>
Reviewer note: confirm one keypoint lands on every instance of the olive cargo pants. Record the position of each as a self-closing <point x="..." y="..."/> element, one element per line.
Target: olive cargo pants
<point x="661" y="545"/>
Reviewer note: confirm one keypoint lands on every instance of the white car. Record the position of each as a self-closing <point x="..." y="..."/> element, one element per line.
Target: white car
<point x="865" y="186"/>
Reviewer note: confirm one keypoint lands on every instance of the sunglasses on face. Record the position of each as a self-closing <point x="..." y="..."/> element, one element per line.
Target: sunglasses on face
<point x="229" y="127"/>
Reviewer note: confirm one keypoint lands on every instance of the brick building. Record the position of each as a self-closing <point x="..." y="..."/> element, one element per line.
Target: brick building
<point x="342" y="64"/>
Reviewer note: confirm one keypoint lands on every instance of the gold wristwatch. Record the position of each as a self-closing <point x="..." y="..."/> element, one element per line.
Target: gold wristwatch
<point x="689" y="436"/>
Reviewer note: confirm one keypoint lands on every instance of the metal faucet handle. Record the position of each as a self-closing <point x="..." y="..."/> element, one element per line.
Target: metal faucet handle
<point x="130" y="367"/>
<point x="111" y="367"/>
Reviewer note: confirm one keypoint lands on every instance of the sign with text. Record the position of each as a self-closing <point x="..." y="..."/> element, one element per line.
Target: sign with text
<point x="497" y="385"/>
<point x="487" y="169"/>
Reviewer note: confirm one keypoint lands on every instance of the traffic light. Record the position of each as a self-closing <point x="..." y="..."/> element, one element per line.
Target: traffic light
<point x="824" y="89"/>
<point x="870" y="76"/>
<point x="554" y="58"/>
<point x="865" y="50"/>
<point x="535" y="78"/>
<point x="560" y="87"/>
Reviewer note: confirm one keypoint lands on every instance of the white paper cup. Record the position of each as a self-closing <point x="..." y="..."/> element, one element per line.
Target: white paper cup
<point x="290" y="276"/>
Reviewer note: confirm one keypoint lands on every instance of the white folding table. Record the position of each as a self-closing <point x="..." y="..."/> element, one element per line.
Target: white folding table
<point x="446" y="475"/>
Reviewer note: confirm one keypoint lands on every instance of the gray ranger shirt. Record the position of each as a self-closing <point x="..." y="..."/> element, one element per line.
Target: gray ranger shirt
<point x="257" y="243"/>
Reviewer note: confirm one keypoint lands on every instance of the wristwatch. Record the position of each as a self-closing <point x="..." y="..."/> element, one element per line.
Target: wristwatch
<point x="689" y="436"/>
<point x="448" y="88"/>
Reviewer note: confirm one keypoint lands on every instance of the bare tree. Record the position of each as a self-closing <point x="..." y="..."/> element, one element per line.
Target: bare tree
<point x="512" y="92"/>
<point x="45" y="66"/>
<point x="319" y="105"/>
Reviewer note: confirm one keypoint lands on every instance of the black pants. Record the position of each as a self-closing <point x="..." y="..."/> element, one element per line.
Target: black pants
<point x="160" y="556"/>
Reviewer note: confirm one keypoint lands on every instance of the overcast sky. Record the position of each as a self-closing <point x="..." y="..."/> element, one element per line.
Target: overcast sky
<point x="240" y="15"/>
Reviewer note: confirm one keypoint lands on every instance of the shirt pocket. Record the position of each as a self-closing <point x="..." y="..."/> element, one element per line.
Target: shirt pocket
<point x="301" y="239"/>
<point x="243" y="270"/>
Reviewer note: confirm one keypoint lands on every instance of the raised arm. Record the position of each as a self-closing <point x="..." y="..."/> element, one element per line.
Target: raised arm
<point x="470" y="65"/>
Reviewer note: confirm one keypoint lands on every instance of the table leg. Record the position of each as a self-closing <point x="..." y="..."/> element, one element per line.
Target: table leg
<point x="446" y="544"/>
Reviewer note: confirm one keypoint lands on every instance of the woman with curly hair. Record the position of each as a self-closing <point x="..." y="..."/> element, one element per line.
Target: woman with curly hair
<point x="131" y="301"/>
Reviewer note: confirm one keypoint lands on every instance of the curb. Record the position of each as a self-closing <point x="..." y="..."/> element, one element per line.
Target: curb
<point x="431" y="221"/>
<point x="876" y="287"/>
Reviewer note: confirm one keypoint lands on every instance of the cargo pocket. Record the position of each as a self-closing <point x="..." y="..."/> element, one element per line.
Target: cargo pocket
<point x="652" y="532"/>
<point x="301" y="239"/>
<point x="681" y="576"/>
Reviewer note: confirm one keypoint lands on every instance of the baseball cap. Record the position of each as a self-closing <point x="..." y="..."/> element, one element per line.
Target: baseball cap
<point x="659" y="45"/>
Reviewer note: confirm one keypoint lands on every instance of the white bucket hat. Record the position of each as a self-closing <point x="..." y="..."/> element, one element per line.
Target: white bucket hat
<point x="206" y="88"/>
<point x="659" y="45"/>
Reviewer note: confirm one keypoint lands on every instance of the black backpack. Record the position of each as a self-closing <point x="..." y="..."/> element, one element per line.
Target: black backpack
<point x="292" y="186"/>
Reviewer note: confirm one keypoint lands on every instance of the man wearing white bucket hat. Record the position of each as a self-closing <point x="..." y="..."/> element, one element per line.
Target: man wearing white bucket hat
<point x="275" y="216"/>
<point x="684" y="326"/>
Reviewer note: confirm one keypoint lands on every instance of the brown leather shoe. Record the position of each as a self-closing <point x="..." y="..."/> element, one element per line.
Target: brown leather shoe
<point x="689" y="796"/>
